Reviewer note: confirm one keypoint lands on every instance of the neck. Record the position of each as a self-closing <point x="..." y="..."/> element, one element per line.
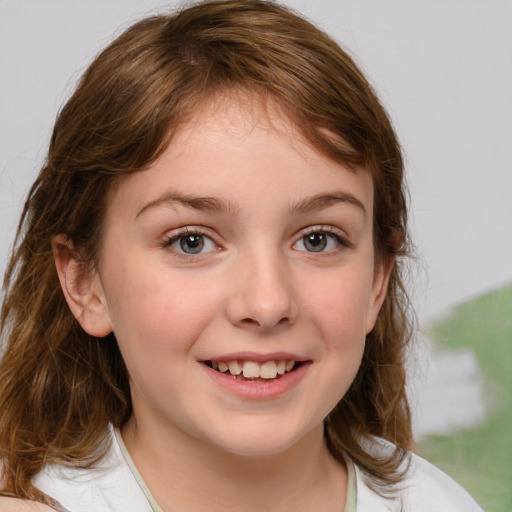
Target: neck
<point x="185" y="474"/>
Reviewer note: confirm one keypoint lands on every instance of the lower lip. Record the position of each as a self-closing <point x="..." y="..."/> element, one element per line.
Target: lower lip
<point x="259" y="390"/>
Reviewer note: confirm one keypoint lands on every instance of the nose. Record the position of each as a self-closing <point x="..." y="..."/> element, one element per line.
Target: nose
<point x="263" y="294"/>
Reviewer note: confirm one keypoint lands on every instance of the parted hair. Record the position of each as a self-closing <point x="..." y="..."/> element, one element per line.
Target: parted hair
<point x="59" y="386"/>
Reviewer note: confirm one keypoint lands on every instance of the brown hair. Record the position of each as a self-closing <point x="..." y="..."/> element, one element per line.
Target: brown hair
<point x="122" y="115"/>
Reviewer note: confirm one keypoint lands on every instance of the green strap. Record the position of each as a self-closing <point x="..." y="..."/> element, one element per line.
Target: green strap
<point x="351" y="500"/>
<point x="350" y="504"/>
<point x="136" y="474"/>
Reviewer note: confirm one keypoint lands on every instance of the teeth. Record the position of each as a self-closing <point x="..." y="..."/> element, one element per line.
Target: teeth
<point x="268" y="370"/>
<point x="254" y="370"/>
<point x="235" y="368"/>
<point x="251" y="370"/>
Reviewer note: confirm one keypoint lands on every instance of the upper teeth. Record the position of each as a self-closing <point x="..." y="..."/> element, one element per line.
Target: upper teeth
<point x="255" y="370"/>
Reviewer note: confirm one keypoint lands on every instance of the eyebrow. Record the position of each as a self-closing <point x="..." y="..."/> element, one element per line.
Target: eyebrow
<point x="213" y="204"/>
<point x="321" y="201"/>
<point x="221" y="205"/>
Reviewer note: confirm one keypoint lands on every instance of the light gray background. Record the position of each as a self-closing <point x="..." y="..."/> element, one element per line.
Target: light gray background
<point x="442" y="67"/>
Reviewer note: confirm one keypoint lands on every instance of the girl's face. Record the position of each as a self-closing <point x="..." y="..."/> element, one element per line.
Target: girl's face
<point x="242" y="249"/>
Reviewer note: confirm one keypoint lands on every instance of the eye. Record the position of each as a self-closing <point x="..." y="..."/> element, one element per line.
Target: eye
<point x="191" y="243"/>
<point x="319" y="241"/>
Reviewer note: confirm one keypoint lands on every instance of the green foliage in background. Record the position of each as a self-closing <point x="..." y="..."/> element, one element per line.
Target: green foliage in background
<point x="480" y="459"/>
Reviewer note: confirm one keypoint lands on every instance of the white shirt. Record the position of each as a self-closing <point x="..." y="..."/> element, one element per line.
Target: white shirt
<point x="115" y="486"/>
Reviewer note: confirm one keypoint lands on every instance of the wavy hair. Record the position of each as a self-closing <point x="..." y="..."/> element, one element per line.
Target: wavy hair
<point x="59" y="386"/>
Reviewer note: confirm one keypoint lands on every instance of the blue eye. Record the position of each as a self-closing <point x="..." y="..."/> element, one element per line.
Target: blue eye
<point x="318" y="241"/>
<point x="191" y="243"/>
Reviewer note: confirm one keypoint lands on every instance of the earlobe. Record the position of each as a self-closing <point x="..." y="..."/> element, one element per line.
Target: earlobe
<point x="82" y="289"/>
<point x="379" y="291"/>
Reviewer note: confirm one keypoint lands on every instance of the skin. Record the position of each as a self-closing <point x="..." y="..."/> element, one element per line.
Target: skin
<point x="17" y="505"/>
<point x="255" y="288"/>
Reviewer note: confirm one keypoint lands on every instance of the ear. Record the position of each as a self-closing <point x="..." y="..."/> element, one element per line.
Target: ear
<point x="381" y="277"/>
<point x="82" y="289"/>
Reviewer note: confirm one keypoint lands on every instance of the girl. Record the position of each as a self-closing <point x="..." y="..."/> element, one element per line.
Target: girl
<point x="204" y="309"/>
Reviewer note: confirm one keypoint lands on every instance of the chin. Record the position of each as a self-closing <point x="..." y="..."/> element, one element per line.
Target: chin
<point x="257" y="451"/>
<point x="261" y="442"/>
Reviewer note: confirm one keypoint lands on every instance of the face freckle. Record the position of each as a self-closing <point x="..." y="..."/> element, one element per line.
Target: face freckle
<point x="241" y="244"/>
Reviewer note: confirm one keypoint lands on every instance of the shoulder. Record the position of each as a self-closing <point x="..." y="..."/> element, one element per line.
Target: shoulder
<point x="424" y="488"/>
<point x="109" y="485"/>
<point x="426" y="483"/>
<point x="18" y="505"/>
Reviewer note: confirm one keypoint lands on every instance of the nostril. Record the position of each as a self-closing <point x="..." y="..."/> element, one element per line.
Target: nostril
<point x="249" y="321"/>
<point x="284" y="321"/>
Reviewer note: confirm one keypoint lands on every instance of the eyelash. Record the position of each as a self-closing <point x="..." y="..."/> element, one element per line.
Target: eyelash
<point x="189" y="230"/>
<point x="329" y="231"/>
<point x="193" y="230"/>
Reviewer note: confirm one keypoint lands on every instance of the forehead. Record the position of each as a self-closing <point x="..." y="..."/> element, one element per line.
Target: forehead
<point x="245" y="148"/>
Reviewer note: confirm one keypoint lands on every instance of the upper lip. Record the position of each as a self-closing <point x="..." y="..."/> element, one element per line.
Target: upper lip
<point x="254" y="356"/>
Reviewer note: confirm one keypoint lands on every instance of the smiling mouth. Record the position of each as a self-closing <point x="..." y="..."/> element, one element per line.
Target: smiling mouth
<point x="254" y="371"/>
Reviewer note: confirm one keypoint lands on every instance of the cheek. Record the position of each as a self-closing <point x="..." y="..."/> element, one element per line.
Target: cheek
<point x="158" y="311"/>
<point x="339" y="305"/>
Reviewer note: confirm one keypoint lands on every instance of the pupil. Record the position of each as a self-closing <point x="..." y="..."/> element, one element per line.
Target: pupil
<point x="315" y="242"/>
<point x="192" y="244"/>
